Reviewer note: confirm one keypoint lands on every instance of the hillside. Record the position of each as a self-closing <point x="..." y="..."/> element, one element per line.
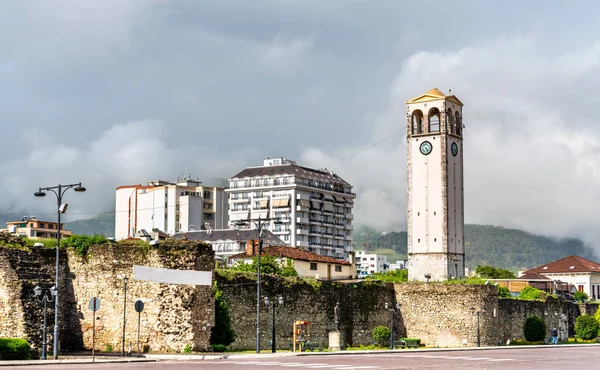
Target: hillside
<point x="487" y="245"/>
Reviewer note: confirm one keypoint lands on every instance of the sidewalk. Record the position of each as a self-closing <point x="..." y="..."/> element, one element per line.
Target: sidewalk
<point x="74" y="359"/>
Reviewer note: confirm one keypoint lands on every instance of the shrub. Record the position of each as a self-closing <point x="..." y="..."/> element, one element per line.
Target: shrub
<point x="580" y="296"/>
<point x="416" y="340"/>
<point x="187" y="349"/>
<point x="222" y="332"/>
<point x="586" y="327"/>
<point x="108" y="348"/>
<point x="14" y="349"/>
<point x="82" y="243"/>
<point x="530" y="293"/>
<point x="489" y="272"/>
<point x="503" y="292"/>
<point x="218" y="348"/>
<point x="381" y="335"/>
<point x="534" y="329"/>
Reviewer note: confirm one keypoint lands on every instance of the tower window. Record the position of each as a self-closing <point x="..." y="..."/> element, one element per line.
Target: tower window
<point x="450" y="122"/>
<point x="435" y="239"/>
<point x="434" y="120"/>
<point x="418" y="240"/>
<point x="458" y="123"/>
<point x="417" y="122"/>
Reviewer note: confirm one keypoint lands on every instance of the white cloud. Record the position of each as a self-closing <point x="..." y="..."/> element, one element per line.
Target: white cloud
<point x="286" y="54"/>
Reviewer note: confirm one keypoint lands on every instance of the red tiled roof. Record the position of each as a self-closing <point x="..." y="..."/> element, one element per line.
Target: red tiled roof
<point x="528" y="275"/>
<point x="294" y="253"/>
<point x="567" y="264"/>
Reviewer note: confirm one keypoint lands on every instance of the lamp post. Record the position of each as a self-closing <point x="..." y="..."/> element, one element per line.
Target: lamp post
<point x="392" y="310"/>
<point x="274" y="302"/>
<point x="125" y="279"/>
<point x="45" y="299"/>
<point x="478" y="313"/>
<point x="260" y="225"/>
<point x="59" y="191"/>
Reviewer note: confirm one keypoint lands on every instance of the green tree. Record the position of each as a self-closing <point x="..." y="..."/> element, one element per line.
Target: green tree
<point x="534" y="329"/>
<point x="381" y="335"/>
<point x="580" y="296"/>
<point x="489" y="272"/>
<point x="586" y="327"/>
<point x="530" y="293"/>
<point x="503" y="292"/>
<point x="288" y="269"/>
<point x="222" y="332"/>
<point x="394" y="276"/>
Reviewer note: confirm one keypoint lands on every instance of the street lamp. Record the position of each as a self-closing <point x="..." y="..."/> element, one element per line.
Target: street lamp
<point x="478" y="312"/>
<point x="260" y="226"/>
<point x="125" y="279"/>
<point x="274" y="302"/>
<point x="392" y="312"/>
<point x="59" y="191"/>
<point x="44" y="299"/>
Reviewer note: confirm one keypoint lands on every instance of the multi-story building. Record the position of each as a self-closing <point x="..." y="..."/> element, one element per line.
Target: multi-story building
<point x="370" y="263"/>
<point x="314" y="207"/>
<point x="33" y="228"/>
<point x="162" y="206"/>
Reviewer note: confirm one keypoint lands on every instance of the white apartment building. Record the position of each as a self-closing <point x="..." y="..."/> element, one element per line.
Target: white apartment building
<point x="162" y="206"/>
<point x="314" y="206"/>
<point x="370" y="263"/>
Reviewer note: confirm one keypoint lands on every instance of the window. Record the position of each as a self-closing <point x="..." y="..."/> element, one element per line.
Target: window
<point x="417" y="122"/>
<point x="338" y="268"/>
<point x="313" y="266"/>
<point x="449" y="121"/>
<point x="458" y="123"/>
<point x="434" y="120"/>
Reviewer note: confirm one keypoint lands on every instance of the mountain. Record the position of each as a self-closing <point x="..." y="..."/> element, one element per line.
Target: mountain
<point x="103" y="224"/>
<point x="486" y="245"/>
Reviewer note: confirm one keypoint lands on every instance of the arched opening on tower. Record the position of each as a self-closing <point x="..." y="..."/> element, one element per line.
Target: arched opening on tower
<point x="450" y="122"/>
<point x="417" y="122"/>
<point x="434" y="120"/>
<point x="458" y="124"/>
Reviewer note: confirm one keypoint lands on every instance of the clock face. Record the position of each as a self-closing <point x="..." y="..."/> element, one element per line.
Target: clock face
<point x="426" y="147"/>
<point x="454" y="148"/>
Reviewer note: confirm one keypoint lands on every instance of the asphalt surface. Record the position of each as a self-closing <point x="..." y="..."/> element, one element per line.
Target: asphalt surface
<point x="546" y="358"/>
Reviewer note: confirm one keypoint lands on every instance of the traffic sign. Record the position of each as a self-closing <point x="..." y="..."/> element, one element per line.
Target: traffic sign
<point x="95" y="304"/>
<point x="139" y="306"/>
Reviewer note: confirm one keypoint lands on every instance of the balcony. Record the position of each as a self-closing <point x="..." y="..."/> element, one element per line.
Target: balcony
<point x="239" y="200"/>
<point x="302" y="196"/>
<point x="301" y="208"/>
<point x="302" y="231"/>
<point x="349" y="227"/>
<point x="349" y="216"/>
<point x="302" y="243"/>
<point x="302" y="220"/>
<point x="349" y="237"/>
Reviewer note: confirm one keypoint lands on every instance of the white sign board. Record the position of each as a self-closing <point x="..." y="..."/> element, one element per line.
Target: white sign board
<point x="160" y="275"/>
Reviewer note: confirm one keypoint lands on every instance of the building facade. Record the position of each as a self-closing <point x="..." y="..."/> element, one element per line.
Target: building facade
<point x="162" y="206"/>
<point x="306" y="264"/>
<point x="435" y="219"/>
<point x="313" y="206"/>
<point x="370" y="263"/>
<point x="228" y="242"/>
<point x="32" y="228"/>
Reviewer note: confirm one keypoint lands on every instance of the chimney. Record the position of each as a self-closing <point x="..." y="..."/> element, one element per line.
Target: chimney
<point x="251" y="248"/>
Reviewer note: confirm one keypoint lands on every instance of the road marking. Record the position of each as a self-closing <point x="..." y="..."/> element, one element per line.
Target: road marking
<point x="478" y="359"/>
<point x="502" y="359"/>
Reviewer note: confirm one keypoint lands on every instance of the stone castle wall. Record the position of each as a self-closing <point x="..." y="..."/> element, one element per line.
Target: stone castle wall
<point x="175" y="316"/>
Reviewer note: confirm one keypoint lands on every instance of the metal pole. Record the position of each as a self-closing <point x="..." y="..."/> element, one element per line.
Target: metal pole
<point x="478" y="332"/>
<point x="59" y="201"/>
<point x="391" y="328"/>
<point x="94" y="334"/>
<point x="124" y="315"/>
<point x="273" y="331"/>
<point x="44" y="333"/>
<point x="139" y="316"/>
<point x="260" y="241"/>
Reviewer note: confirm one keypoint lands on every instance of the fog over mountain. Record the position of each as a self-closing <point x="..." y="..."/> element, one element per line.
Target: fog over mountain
<point x="118" y="92"/>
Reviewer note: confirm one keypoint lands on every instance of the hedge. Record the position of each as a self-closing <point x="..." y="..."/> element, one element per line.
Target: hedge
<point x="14" y="349"/>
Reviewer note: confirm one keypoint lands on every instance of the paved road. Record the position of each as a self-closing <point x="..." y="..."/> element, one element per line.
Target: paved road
<point x="546" y="358"/>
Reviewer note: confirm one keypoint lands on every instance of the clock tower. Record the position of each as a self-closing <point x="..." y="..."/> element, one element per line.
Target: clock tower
<point x="435" y="219"/>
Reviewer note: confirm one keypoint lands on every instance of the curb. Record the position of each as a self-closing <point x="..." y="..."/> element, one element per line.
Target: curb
<point x="72" y="361"/>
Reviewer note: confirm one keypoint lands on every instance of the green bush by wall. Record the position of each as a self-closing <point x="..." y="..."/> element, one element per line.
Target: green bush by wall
<point x="381" y="335"/>
<point x="586" y="327"/>
<point x="534" y="328"/>
<point x="14" y="349"/>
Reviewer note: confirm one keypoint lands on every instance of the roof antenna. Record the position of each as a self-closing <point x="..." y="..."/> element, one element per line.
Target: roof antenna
<point x="450" y="91"/>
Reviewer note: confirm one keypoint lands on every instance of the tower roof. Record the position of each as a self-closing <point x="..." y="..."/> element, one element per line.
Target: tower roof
<point x="434" y="94"/>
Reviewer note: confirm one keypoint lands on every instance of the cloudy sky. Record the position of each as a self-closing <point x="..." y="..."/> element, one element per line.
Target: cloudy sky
<point x="118" y="92"/>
